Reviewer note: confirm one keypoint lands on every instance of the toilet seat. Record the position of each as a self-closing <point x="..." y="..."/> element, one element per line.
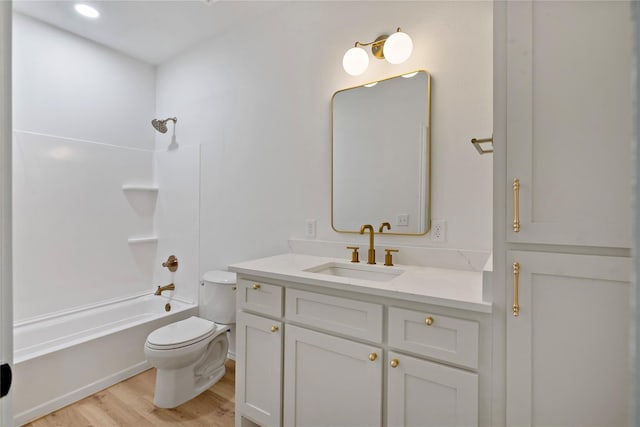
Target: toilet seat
<point x="182" y="333"/>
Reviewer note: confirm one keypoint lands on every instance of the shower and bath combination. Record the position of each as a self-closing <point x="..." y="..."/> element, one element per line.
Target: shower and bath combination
<point x="161" y="125"/>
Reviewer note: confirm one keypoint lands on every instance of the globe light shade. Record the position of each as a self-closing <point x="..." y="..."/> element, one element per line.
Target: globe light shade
<point x="397" y="48"/>
<point x="355" y="61"/>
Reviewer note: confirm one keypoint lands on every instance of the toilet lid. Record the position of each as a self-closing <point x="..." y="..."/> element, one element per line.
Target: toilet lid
<point x="181" y="333"/>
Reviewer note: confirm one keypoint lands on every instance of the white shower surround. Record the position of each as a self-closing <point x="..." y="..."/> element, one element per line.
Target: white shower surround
<point x="82" y="140"/>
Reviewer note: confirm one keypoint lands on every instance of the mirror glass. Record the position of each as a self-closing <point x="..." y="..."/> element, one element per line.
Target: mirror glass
<point x="380" y="155"/>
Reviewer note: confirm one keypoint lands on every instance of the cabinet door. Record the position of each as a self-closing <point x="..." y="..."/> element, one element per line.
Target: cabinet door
<point x="331" y="381"/>
<point x="567" y="350"/>
<point x="422" y="393"/>
<point x="569" y="122"/>
<point x="259" y="369"/>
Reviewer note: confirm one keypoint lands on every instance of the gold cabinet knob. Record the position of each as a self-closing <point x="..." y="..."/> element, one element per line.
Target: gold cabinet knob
<point x="395" y="363"/>
<point x="256" y="286"/>
<point x="373" y="356"/>
<point x="274" y="328"/>
<point x="429" y="321"/>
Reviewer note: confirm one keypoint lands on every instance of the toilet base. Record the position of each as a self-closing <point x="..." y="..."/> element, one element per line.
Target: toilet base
<point x="175" y="387"/>
<point x="180" y="378"/>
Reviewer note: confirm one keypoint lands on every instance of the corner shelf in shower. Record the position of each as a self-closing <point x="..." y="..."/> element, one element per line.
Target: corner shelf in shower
<point x="144" y="239"/>
<point x="132" y="187"/>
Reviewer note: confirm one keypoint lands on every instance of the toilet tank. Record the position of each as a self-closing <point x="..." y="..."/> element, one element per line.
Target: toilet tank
<point x="217" y="298"/>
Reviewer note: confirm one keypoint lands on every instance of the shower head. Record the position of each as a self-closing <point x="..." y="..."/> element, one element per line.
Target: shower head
<point x="161" y="125"/>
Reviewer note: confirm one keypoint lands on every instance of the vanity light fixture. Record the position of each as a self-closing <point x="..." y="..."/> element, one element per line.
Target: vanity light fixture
<point x="86" y="10"/>
<point x="395" y="48"/>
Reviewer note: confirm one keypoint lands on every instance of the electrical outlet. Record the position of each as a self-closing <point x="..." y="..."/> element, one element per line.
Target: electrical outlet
<point x="402" y="220"/>
<point x="310" y="231"/>
<point x="438" y="231"/>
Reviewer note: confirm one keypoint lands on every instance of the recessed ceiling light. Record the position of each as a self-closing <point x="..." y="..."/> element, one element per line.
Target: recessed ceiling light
<point x="86" y="10"/>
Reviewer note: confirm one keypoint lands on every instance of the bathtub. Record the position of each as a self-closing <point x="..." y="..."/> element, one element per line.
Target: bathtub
<point x="62" y="358"/>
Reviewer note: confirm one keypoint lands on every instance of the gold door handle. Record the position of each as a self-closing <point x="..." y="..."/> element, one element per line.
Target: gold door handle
<point x="516" y="205"/>
<point x="274" y="328"/>
<point x="395" y="363"/>
<point x="373" y="356"/>
<point x="516" y="285"/>
<point x="428" y="321"/>
<point x="256" y="286"/>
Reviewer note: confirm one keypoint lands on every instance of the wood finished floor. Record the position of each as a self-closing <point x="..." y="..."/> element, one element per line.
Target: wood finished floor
<point x="130" y="403"/>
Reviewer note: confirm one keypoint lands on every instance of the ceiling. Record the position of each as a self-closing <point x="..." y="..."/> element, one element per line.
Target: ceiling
<point x="152" y="31"/>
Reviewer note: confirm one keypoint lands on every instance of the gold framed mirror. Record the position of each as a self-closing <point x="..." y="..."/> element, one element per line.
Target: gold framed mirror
<point x="380" y="155"/>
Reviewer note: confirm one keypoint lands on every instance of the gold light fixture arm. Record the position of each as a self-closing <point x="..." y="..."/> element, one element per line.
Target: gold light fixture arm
<point x="376" y="45"/>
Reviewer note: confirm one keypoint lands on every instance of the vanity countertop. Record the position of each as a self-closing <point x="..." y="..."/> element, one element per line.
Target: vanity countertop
<point x="430" y="285"/>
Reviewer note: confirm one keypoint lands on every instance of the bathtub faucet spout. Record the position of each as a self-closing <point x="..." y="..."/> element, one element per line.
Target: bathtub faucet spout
<point x="169" y="287"/>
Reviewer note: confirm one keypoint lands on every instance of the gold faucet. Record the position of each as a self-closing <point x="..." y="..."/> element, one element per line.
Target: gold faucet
<point x="169" y="287"/>
<point x="383" y="225"/>
<point x="371" y="254"/>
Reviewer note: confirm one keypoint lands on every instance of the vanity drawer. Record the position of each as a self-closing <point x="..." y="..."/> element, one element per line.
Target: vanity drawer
<point x="342" y="315"/>
<point x="259" y="297"/>
<point x="433" y="335"/>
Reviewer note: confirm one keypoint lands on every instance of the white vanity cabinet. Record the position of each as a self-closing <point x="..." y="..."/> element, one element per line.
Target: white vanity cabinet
<point x="568" y="121"/>
<point x="568" y="351"/>
<point x="259" y="352"/>
<point x="350" y="359"/>
<point x="423" y="393"/>
<point x="331" y="381"/>
<point x="562" y="126"/>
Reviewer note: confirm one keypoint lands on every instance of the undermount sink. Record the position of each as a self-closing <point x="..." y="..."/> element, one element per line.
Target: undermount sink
<point x="357" y="271"/>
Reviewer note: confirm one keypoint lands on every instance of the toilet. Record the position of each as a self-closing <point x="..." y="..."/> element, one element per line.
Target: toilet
<point x="189" y="355"/>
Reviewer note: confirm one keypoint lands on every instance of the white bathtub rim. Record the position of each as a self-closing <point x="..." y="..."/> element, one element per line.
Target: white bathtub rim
<point x="23" y="354"/>
<point x="80" y="309"/>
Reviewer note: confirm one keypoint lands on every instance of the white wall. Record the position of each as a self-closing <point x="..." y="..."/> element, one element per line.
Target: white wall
<point x="71" y="87"/>
<point x="81" y="131"/>
<point x="257" y="100"/>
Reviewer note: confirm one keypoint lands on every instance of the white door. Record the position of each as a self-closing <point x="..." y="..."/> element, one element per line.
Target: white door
<point x="422" y="393"/>
<point x="569" y="122"/>
<point x="6" y="302"/>
<point x="567" y="350"/>
<point x="259" y="369"/>
<point x="330" y="381"/>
